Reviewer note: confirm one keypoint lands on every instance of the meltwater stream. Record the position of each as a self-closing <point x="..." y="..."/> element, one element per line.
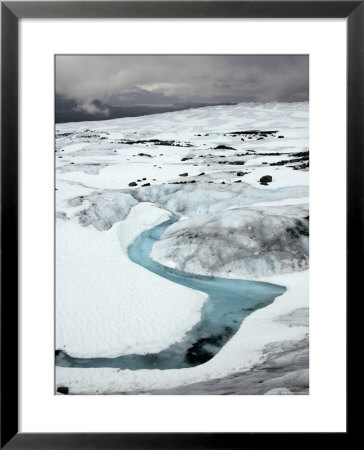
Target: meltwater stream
<point x="229" y="302"/>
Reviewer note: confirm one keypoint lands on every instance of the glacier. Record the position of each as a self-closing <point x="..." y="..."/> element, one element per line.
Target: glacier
<point x="232" y="225"/>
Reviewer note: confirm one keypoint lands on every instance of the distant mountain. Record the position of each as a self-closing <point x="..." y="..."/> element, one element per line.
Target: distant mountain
<point x="67" y="110"/>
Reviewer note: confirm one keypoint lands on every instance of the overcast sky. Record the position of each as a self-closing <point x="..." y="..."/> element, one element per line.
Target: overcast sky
<point x="167" y="80"/>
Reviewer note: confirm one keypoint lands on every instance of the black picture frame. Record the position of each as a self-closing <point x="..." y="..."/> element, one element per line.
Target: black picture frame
<point x="11" y="12"/>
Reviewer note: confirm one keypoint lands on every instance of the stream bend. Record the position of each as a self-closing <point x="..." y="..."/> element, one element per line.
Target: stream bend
<point x="229" y="302"/>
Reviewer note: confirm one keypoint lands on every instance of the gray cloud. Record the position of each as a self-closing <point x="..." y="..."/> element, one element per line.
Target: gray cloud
<point x="166" y="80"/>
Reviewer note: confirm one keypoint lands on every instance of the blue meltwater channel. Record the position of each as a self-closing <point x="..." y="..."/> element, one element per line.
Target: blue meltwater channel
<point x="229" y="302"/>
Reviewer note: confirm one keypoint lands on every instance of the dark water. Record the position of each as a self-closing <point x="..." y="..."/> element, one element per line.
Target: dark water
<point x="229" y="302"/>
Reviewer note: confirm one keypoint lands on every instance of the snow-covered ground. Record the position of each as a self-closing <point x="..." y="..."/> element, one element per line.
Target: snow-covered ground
<point x="205" y="165"/>
<point x="99" y="311"/>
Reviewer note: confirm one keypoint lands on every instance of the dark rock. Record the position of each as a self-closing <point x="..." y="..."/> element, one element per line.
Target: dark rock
<point x="268" y="154"/>
<point x="143" y="179"/>
<point x="133" y="183"/>
<point x="280" y="137"/>
<point x="144" y="154"/>
<point x="183" y="182"/>
<point x="62" y="390"/>
<point x="266" y="179"/>
<point x="300" y="154"/>
<point x="202" y="173"/>
<point x="186" y="158"/>
<point x="240" y="174"/>
<point x="253" y="132"/>
<point x="301" y="166"/>
<point x="146" y="184"/>
<point x="224" y="147"/>
<point x="63" y="135"/>
<point x="287" y="161"/>
<point x="183" y="174"/>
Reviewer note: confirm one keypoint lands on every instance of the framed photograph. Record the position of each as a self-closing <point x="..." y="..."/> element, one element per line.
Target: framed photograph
<point x="181" y="206"/>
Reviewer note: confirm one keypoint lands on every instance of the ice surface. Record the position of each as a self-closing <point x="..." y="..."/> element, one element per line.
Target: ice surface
<point x="194" y="199"/>
<point x="238" y="242"/>
<point x="290" y="361"/>
<point x="103" y="209"/>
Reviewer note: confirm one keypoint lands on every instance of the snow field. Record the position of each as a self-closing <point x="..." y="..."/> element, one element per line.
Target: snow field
<point x="108" y="306"/>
